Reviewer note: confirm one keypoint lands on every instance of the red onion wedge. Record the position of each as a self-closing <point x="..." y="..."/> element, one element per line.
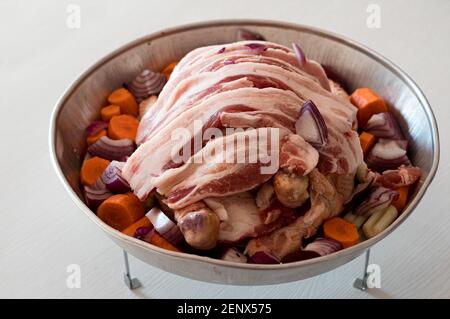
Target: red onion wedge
<point x="244" y="34"/>
<point x="388" y="154"/>
<point x="379" y="198"/>
<point x="384" y="125"/>
<point x="95" y="194"/>
<point x="323" y="246"/>
<point x="165" y="226"/>
<point x="261" y="257"/>
<point x="299" y="54"/>
<point x="96" y="127"/>
<point x="311" y="125"/>
<point x="143" y="233"/>
<point x="110" y="149"/>
<point x="299" y="256"/>
<point x="234" y="255"/>
<point x="112" y="177"/>
<point x="146" y="84"/>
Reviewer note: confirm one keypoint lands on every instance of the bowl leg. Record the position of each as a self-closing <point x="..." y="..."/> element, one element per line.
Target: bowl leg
<point x="132" y="283"/>
<point x="361" y="283"/>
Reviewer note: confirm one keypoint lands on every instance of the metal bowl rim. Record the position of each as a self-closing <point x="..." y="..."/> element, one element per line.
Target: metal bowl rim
<point x="246" y="22"/>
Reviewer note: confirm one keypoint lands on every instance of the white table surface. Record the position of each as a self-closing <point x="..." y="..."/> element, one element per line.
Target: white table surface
<point x="42" y="231"/>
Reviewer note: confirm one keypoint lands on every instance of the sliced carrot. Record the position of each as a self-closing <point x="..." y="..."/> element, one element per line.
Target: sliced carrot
<point x="342" y="231"/>
<point x="91" y="139"/>
<point x="109" y="111"/>
<point x="367" y="140"/>
<point x="400" y="202"/>
<point x="168" y="69"/>
<point x="159" y="241"/>
<point x="368" y="104"/>
<point x="131" y="230"/>
<point x="121" y="210"/>
<point x="123" y="126"/>
<point x="123" y="98"/>
<point x="92" y="169"/>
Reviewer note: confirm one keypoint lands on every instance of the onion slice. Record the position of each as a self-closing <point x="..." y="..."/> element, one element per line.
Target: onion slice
<point x="388" y="154"/>
<point x="261" y="257"/>
<point x="244" y="34"/>
<point x="112" y="177"/>
<point x="95" y="194"/>
<point x="378" y="199"/>
<point x="111" y="149"/>
<point x="234" y="255"/>
<point x="323" y="246"/>
<point x="165" y="226"/>
<point x="384" y="125"/>
<point x="146" y="84"/>
<point x="143" y="232"/>
<point x="311" y="125"/>
<point x="299" y="54"/>
<point x="96" y="127"/>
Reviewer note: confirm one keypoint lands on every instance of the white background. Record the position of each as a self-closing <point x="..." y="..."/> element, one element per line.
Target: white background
<point x="41" y="230"/>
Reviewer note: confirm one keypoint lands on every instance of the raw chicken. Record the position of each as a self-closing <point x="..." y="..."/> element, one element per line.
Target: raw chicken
<point x="241" y="218"/>
<point x="188" y="154"/>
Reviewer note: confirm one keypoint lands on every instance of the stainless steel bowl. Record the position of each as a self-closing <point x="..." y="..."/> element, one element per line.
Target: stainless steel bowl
<point x="357" y="65"/>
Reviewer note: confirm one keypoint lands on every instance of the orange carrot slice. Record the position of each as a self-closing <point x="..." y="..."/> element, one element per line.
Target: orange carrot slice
<point x="400" y="202"/>
<point x="109" y="111"/>
<point x="91" y="139"/>
<point x="342" y="231"/>
<point x="159" y="241"/>
<point x="123" y="98"/>
<point x="368" y="104"/>
<point x="168" y="69"/>
<point x="123" y="126"/>
<point x="121" y="210"/>
<point x="366" y="140"/>
<point x="92" y="169"/>
<point x="143" y="222"/>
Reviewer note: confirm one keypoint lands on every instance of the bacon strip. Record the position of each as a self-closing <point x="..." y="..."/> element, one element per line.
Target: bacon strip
<point x="223" y="174"/>
<point x="400" y="177"/>
<point x="266" y="107"/>
<point x="237" y="87"/>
